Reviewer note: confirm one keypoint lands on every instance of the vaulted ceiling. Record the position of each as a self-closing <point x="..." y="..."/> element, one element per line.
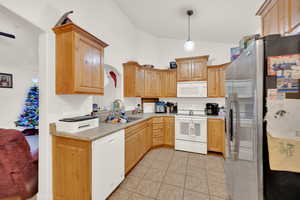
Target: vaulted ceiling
<point x="225" y="21"/>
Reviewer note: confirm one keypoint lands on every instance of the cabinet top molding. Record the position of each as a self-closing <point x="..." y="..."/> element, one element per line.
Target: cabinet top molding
<point x="193" y="58"/>
<point x="219" y="66"/>
<point x="73" y="27"/>
<point x="265" y="7"/>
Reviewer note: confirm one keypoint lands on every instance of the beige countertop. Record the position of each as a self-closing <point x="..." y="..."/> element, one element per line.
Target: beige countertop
<point x="105" y="129"/>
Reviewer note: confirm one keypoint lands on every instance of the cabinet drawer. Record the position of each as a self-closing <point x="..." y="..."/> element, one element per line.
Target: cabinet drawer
<point x="157" y="133"/>
<point x="158" y="126"/>
<point x="158" y="120"/>
<point x="135" y="128"/>
<point x="157" y="141"/>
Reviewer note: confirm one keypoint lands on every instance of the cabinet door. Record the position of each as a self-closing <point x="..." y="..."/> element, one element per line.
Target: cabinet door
<point x="131" y="144"/>
<point x="216" y="81"/>
<point x="283" y="16"/>
<point x="215" y="133"/>
<point x="71" y="169"/>
<point x="221" y="82"/>
<point x="184" y="70"/>
<point x="140" y="82"/>
<point x="149" y="135"/>
<point x="88" y="66"/>
<point x="157" y="83"/>
<point x="169" y="131"/>
<point x="199" y="70"/>
<point x="270" y="21"/>
<point x="171" y="89"/>
<point x="149" y="78"/>
<point x="295" y="13"/>
<point x="141" y="145"/>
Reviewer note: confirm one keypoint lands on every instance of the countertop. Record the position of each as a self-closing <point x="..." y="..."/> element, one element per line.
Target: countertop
<point x="105" y="129"/>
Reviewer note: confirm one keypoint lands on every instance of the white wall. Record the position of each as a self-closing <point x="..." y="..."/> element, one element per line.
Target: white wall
<point x="102" y="18"/>
<point x="19" y="57"/>
<point x="169" y="49"/>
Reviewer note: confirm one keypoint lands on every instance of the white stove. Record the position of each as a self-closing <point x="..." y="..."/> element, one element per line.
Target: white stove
<point x="191" y="131"/>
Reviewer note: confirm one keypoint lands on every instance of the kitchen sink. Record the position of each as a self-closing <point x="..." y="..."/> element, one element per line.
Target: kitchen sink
<point x="132" y="119"/>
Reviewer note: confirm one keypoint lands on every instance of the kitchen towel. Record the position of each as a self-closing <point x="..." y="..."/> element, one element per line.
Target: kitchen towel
<point x="284" y="154"/>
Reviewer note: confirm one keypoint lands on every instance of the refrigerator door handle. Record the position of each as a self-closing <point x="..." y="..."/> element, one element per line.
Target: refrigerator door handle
<point x="236" y="132"/>
<point x="229" y="123"/>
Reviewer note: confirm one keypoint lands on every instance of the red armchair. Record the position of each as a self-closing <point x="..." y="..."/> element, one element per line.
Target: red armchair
<point x="18" y="168"/>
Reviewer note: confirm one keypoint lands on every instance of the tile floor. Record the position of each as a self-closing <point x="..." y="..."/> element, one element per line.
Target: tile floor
<point x="166" y="174"/>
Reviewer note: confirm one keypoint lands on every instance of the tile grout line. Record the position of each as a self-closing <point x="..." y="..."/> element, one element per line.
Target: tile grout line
<point x="164" y="177"/>
<point x="185" y="177"/>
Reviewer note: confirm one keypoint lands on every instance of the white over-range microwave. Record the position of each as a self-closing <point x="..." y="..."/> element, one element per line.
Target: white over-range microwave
<point x="192" y="89"/>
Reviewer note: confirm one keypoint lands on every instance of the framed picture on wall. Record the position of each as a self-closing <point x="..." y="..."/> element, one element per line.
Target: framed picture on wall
<point x="6" y="80"/>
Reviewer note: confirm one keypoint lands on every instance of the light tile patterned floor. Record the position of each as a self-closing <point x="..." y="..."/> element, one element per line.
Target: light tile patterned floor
<point x="166" y="174"/>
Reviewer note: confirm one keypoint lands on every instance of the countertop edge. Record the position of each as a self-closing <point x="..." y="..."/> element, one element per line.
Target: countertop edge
<point x="85" y="137"/>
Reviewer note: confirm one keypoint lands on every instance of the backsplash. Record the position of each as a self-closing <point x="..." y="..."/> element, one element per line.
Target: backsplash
<point x="194" y="103"/>
<point x="183" y="103"/>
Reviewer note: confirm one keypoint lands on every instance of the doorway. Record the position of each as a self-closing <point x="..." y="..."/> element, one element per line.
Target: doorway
<point x="19" y="106"/>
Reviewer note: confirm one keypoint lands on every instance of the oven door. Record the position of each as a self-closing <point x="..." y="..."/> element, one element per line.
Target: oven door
<point x="191" y="129"/>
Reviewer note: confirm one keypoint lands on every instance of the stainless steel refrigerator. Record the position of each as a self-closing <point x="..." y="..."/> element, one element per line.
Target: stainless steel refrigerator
<point x="248" y="175"/>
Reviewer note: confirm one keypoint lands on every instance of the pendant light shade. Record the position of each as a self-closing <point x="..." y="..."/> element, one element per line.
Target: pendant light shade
<point x="189" y="45"/>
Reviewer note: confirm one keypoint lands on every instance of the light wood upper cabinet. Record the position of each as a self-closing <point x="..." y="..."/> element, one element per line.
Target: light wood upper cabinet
<point x="283" y="16"/>
<point x="144" y="82"/>
<point x="192" y="69"/>
<point x="152" y="83"/>
<point x="280" y="17"/>
<point x="216" y="80"/>
<point x="172" y="83"/>
<point x="169" y="83"/>
<point x="295" y="13"/>
<point x="79" y="61"/>
<point x="215" y="133"/>
<point x="184" y="70"/>
<point x="270" y="26"/>
<point x="134" y="80"/>
<point x="199" y="69"/>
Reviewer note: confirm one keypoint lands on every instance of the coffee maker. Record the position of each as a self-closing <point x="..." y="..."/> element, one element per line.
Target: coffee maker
<point x="212" y="109"/>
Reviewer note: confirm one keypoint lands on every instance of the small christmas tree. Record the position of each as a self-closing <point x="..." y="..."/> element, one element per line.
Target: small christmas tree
<point x="30" y="116"/>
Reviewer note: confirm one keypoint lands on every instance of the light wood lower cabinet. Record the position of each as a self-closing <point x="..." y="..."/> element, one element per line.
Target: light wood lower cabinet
<point x="158" y="131"/>
<point x="80" y="167"/>
<point x="71" y="180"/>
<point x="140" y="138"/>
<point x="216" y="135"/>
<point x="136" y="144"/>
<point x="169" y="131"/>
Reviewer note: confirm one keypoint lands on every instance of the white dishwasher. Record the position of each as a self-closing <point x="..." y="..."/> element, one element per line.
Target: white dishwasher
<point x="107" y="164"/>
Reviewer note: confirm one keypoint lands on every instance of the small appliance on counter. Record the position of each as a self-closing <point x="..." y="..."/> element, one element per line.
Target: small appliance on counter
<point x="212" y="109"/>
<point x="171" y="107"/>
<point x="160" y="107"/>
<point x="173" y="65"/>
<point x="77" y="124"/>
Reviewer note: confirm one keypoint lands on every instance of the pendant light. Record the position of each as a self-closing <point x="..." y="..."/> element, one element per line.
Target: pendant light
<point x="189" y="45"/>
